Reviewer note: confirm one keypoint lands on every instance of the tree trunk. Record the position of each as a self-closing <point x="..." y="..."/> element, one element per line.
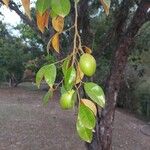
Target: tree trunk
<point x="103" y="136"/>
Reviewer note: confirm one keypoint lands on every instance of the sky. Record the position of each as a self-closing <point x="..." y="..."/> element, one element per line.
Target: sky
<point x="9" y="17"/>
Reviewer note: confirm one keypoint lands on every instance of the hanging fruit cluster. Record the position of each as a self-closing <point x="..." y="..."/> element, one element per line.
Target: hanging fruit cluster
<point x="75" y="66"/>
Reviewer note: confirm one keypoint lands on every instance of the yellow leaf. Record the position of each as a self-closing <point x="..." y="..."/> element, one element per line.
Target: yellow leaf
<point x="55" y="42"/>
<point x="79" y="75"/>
<point x="106" y="5"/>
<point x="87" y="49"/>
<point x="90" y="105"/>
<point x="42" y="20"/>
<point x="26" y="5"/>
<point x="58" y="23"/>
<point x="6" y="2"/>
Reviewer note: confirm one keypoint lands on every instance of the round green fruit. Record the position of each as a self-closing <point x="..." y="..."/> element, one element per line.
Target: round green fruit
<point x="87" y="64"/>
<point x="67" y="100"/>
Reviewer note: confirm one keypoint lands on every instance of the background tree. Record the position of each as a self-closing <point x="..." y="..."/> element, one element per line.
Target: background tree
<point x="13" y="56"/>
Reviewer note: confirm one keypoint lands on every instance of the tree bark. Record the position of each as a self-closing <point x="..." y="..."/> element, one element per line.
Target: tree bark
<point x="104" y="127"/>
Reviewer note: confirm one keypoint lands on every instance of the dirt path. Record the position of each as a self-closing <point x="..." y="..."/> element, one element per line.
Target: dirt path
<point x="127" y="134"/>
<point x="25" y="124"/>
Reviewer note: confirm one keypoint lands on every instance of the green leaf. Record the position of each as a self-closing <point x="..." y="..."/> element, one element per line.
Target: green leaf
<point x="62" y="90"/>
<point x="39" y="76"/>
<point x="42" y="5"/>
<point x="74" y="97"/>
<point x="53" y="14"/>
<point x="69" y="79"/>
<point x="86" y="117"/>
<point x="47" y="97"/>
<point x="95" y="92"/>
<point x="50" y="74"/>
<point x="84" y="133"/>
<point x="61" y="7"/>
<point x="65" y="66"/>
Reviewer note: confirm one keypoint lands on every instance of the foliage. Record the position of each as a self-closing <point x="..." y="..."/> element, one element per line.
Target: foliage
<point x="140" y="62"/>
<point x="137" y="75"/>
<point x="28" y="36"/>
<point x="12" y="55"/>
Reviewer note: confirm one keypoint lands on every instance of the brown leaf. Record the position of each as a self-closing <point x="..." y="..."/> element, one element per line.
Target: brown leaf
<point x="58" y="23"/>
<point x="79" y="75"/>
<point x="46" y="19"/>
<point x="55" y="42"/>
<point x="42" y="20"/>
<point x="49" y="45"/>
<point x="90" y="105"/>
<point x="26" y="5"/>
<point x="87" y="49"/>
<point x="106" y="5"/>
<point x="6" y="2"/>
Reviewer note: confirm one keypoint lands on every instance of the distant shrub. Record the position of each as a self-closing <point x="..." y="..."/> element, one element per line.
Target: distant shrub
<point x="142" y="93"/>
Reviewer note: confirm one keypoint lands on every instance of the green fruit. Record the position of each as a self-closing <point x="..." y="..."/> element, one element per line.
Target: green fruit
<point x="67" y="100"/>
<point x="87" y="64"/>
